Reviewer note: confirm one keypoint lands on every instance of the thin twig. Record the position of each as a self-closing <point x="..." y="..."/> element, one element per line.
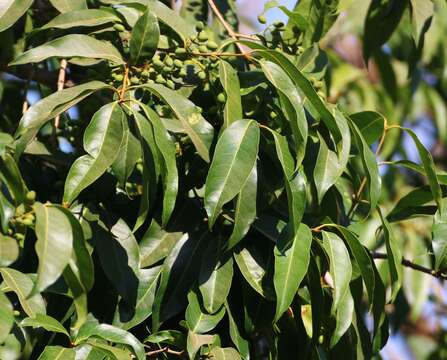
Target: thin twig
<point x="227" y="26"/>
<point x="164" y="350"/>
<point x="125" y="78"/>
<point x="60" y="86"/>
<point x="412" y="265"/>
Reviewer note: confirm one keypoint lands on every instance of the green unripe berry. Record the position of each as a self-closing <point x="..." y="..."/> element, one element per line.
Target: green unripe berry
<point x="273" y="115"/>
<point x="28" y="222"/>
<point x="150" y="81"/>
<point x="166" y="69"/>
<point x="19" y="236"/>
<point x="262" y="19"/>
<point x="221" y="97"/>
<point x="199" y="26"/>
<point x="158" y="63"/>
<point x="168" y="61"/>
<point x="183" y="73"/>
<point x="201" y="75"/>
<point x="203" y="48"/>
<point x="160" y="79"/>
<point x="180" y="51"/>
<point x="170" y="84"/>
<point x="134" y="80"/>
<point x="211" y="45"/>
<point x="203" y="36"/>
<point x="118" y="77"/>
<point x="178" y="63"/>
<point x="31" y="197"/>
<point x="145" y="73"/>
<point x="119" y="27"/>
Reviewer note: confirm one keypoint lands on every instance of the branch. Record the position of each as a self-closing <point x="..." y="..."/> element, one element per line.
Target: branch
<point x="60" y="86"/>
<point x="412" y="265"/>
<point x="164" y="350"/>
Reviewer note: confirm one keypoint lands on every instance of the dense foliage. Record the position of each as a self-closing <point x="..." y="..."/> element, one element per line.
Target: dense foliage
<point x="183" y="190"/>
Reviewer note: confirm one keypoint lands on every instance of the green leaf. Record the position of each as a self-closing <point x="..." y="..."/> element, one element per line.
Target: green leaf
<point x="68" y="5"/>
<point x="230" y="82"/>
<point x="6" y="317"/>
<point x="171" y="337"/>
<point x="102" y="137"/>
<point x="234" y="158"/>
<point x="216" y="275"/>
<point x="292" y="256"/>
<point x="45" y="321"/>
<point x="144" y="38"/>
<point x="9" y="250"/>
<point x="12" y="179"/>
<point x="422" y="12"/>
<point x="340" y="267"/>
<point x="22" y="285"/>
<point x="219" y="353"/>
<point x="394" y="257"/>
<point x="57" y="353"/>
<point x="371" y="125"/>
<point x="382" y="19"/>
<point x="147" y="283"/>
<point x="7" y="211"/>
<point x="429" y="167"/>
<point x="195" y="342"/>
<point x="68" y="46"/>
<point x="169" y="171"/>
<point x="128" y="155"/>
<point x="198" y="321"/>
<point x="112" y="334"/>
<point x="241" y="344"/>
<point x="326" y="170"/>
<point x="439" y="238"/>
<point x="198" y="129"/>
<point x="83" y="17"/>
<point x="11" y="11"/>
<point x="343" y="318"/>
<point x="54" y="244"/>
<point x="245" y="211"/>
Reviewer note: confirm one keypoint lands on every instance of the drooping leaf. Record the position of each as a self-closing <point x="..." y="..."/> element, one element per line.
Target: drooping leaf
<point x="83" y="17"/>
<point x="6" y="317"/>
<point x="230" y="82"/>
<point x="439" y="237"/>
<point x="22" y="285"/>
<point x="9" y="250"/>
<point x="57" y="352"/>
<point x="233" y="160"/>
<point x="11" y="11"/>
<point x="68" y="46"/>
<point x="291" y="262"/>
<point x="102" y="138"/>
<point x="343" y="317"/>
<point x="65" y="5"/>
<point x="198" y="321"/>
<point x="241" y="344"/>
<point x="45" y="321"/>
<point x="144" y="38"/>
<point x="370" y="124"/>
<point x="12" y="179"/>
<point x="54" y="244"/>
<point x="7" y="211"/>
<point x="326" y="169"/>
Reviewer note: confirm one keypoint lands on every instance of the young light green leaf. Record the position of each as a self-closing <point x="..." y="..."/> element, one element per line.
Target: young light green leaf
<point x="57" y="353"/>
<point x="6" y="317"/>
<point x="230" y="82"/>
<point x="11" y="11"/>
<point x="68" y="46"/>
<point x="22" y="285"/>
<point x="196" y="341"/>
<point x="219" y="353"/>
<point x="343" y="318"/>
<point x="233" y="160"/>
<point x="198" y="321"/>
<point x="102" y="137"/>
<point x="54" y="244"/>
<point x="9" y="250"/>
<point x="245" y="212"/>
<point x="216" y="275"/>
<point x="83" y="17"/>
<point x="45" y="321"/>
<point x="439" y="237"/>
<point x="292" y="258"/>
<point x="339" y="265"/>
<point x="198" y="129"/>
<point x="394" y="257"/>
<point x="144" y="38"/>
<point x="422" y="12"/>
<point x="68" y="5"/>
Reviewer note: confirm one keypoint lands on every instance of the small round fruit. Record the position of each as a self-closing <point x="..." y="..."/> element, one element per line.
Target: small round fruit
<point x="211" y="45"/>
<point x="273" y="115"/>
<point x="166" y="69"/>
<point x="203" y="48"/>
<point x="31" y="196"/>
<point x="183" y="73"/>
<point x="19" y="236"/>
<point x="201" y="75"/>
<point x="158" y="63"/>
<point x="203" y="36"/>
<point x="221" y="97"/>
<point x="262" y="19"/>
<point x="118" y="77"/>
<point x="134" y="80"/>
<point x="168" y="61"/>
<point x="119" y="27"/>
<point x="27" y="222"/>
<point x="200" y="26"/>
<point x="145" y="73"/>
<point x="180" y="51"/>
<point x="170" y="84"/>
<point x="178" y="63"/>
<point x="160" y="79"/>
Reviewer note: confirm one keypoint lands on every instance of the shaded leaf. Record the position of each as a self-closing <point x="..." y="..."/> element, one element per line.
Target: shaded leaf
<point x="45" y="321"/>
<point x="68" y="5"/>
<point x="198" y="321"/>
<point x="56" y="353"/>
<point x="83" y="17"/>
<point x="144" y="38"/>
<point x="230" y="82"/>
<point x="11" y="11"/>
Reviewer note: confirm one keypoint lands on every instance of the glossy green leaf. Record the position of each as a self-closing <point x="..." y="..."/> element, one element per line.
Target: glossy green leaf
<point x="371" y="125"/>
<point x="340" y="267"/>
<point x="326" y="169"/>
<point x="68" y="46"/>
<point x="198" y="129"/>
<point x="9" y="250"/>
<point x="83" y="17"/>
<point x="219" y="353"/>
<point x="6" y="317"/>
<point x="144" y="38"/>
<point x="292" y="257"/>
<point x="11" y="11"/>
<point x="12" y="179"/>
<point x="234" y="158"/>
<point x="343" y="317"/>
<point x="102" y="138"/>
<point x="439" y="238"/>
<point x="7" y="211"/>
<point x="216" y="275"/>
<point x="22" y="285"/>
<point x="198" y="321"/>
<point x="45" y="321"/>
<point x="68" y="5"/>
<point x="245" y="211"/>
<point x="54" y="244"/>
<point x="57" y="353"/>
<point x="230" y="82"/>
<point x="241" y="344"/>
